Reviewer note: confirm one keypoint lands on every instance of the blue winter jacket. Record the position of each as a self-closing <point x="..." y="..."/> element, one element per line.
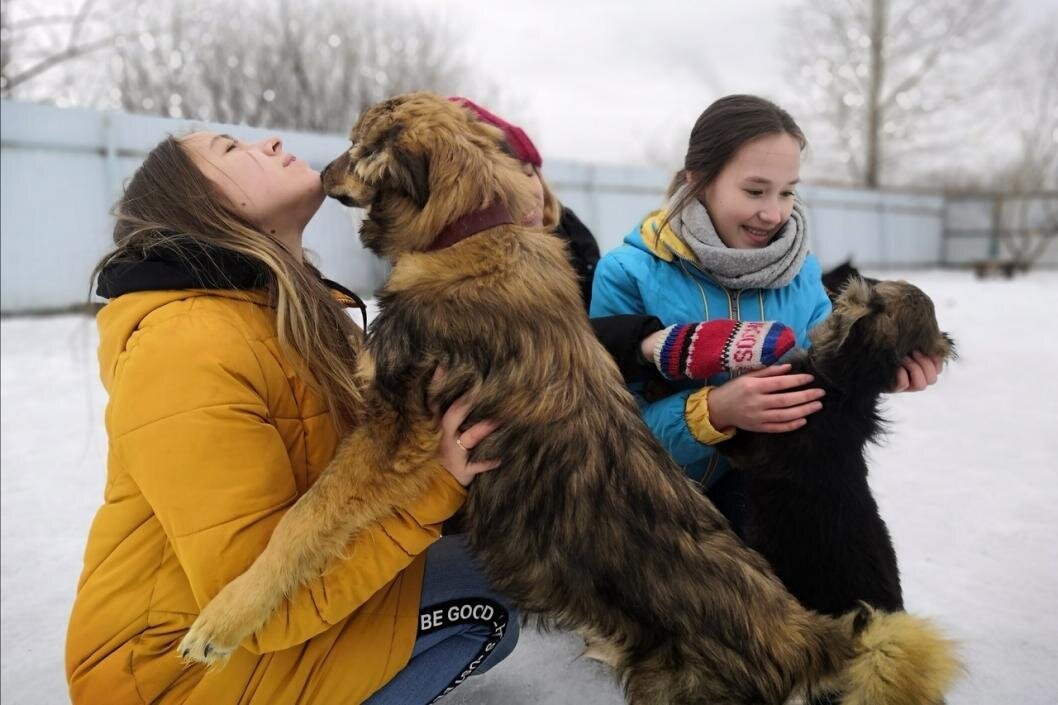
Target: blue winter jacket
<point x="658" y="275"/>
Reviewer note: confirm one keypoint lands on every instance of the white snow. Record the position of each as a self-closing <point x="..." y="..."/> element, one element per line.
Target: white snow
<point x="967" y="480"/>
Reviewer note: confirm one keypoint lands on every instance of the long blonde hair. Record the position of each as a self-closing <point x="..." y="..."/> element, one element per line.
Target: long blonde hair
<point x="170" y="205"/>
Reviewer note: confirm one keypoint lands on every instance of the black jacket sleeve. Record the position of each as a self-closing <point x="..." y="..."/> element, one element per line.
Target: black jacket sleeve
<point x="621" y="336"/>
<point x="583" y="250"/>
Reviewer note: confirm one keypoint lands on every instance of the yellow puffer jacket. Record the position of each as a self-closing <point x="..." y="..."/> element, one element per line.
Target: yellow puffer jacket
<point x="212" y="437"/>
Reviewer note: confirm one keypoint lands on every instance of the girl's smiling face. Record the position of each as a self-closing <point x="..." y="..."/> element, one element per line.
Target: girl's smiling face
<point x="751" y="198"/>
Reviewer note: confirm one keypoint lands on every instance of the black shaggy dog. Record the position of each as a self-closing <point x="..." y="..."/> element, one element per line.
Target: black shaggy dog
<point x="809" y="509"/>
<point x="834" y="280"/>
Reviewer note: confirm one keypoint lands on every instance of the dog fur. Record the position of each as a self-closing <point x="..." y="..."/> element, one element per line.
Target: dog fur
<point x="588" y="524"/>
<point x="835" y="279"/>
<point x="809" y="509"/>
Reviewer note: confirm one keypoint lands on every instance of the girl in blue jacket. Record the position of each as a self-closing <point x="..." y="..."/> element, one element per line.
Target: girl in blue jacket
<point x="731" y="243"/>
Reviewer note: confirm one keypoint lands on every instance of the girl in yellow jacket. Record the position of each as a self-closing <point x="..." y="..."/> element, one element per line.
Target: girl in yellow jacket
<point x="229" y="365"/>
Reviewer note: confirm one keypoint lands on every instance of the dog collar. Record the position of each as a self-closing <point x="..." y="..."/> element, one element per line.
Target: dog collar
<point x="471" y="224"/>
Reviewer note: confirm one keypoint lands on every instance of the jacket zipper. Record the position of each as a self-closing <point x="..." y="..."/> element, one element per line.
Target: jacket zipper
<point x="734" y="312"/>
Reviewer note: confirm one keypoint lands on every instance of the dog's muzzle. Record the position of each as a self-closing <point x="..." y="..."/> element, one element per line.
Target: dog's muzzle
<point x="344" y="200"/>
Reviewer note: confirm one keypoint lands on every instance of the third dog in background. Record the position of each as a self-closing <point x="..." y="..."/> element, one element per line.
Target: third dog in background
<point x="834" y="280"/>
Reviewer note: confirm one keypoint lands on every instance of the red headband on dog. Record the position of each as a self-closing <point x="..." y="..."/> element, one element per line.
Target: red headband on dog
<point x="519" y="142"/>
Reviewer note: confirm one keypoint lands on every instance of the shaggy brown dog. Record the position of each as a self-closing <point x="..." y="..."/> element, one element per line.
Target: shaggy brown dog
<point x="588" y="523"/>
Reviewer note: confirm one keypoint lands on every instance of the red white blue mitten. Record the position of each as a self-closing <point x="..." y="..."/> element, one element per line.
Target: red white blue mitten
<point x="700" y="350"/>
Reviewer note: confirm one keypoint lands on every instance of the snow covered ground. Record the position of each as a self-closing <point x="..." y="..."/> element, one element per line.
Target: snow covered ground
<point x="968" y="481"/>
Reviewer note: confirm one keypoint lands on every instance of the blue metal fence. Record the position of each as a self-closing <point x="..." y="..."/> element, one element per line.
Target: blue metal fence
<point x="62" y="170"/>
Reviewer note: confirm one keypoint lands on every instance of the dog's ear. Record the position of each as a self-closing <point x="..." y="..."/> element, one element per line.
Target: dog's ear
<point x="385" y="165"/>
<point x="413" y="174"/>
<point x="856" y="298"/>
<point x="855" y="301"/>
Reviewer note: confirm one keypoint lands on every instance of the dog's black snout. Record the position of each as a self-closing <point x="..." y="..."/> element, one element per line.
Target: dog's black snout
<point x="323" y="174"/>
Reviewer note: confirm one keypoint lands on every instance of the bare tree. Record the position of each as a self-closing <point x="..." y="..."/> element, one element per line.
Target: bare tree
<point x="1028" y="213"/>
<point x="885" y="82"/>
<point x="38" y="40"/>
<point x="1030" y="96"/>
<point x="310" y="64"/>
<point x="5" y="45"/>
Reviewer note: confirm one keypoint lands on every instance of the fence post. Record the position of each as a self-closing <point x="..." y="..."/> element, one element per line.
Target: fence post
<point x="997" y="223"/>
<point x="942" y="241"/>
<point x="882" y="223"/>
<point x="591" y="188"/>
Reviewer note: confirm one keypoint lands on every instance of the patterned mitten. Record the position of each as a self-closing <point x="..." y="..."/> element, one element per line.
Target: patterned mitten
<point x="700" y="350"/>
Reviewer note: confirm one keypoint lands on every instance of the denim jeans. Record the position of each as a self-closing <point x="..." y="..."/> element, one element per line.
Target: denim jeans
<point x="465" y="628"/>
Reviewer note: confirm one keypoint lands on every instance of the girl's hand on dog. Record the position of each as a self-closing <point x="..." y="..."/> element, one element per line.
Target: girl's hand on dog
<point x="759" y="401"/>
<point x="917" y="373"/>
<point x="453" y="452"/>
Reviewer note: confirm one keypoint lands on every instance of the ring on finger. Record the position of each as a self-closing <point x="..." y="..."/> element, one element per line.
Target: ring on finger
<point x="459" y="442"/>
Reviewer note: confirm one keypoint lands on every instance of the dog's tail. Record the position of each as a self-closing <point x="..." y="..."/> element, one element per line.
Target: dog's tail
<point x="898" y="659"/>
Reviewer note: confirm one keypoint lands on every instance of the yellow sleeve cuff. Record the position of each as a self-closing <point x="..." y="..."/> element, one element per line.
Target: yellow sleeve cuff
<point x="443" y="499"/>
<point x="696" y="413"/>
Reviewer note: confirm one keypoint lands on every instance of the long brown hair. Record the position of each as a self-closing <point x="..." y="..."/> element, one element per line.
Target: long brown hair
<point x="717" y="135"/>
<point x="169" y="204"/>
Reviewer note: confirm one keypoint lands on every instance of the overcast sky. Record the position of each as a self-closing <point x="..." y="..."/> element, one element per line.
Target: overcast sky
<point x="623" y="80"/>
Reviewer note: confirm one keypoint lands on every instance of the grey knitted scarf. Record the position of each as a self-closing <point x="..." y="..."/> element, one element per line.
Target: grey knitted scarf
<point x="768" y="267"/>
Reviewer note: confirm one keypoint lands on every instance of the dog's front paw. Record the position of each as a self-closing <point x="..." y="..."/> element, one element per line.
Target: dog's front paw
<point x="205" y="644"/>
<point x="224" y="623"/>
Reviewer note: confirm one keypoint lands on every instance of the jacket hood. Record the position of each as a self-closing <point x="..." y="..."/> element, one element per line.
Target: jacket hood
<point x="181" y="270"/>
<point x="185" y="270"/>
<point x="662" y="242"/>
<point x="185" y="264"/>
<point x="122" y="317"/>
